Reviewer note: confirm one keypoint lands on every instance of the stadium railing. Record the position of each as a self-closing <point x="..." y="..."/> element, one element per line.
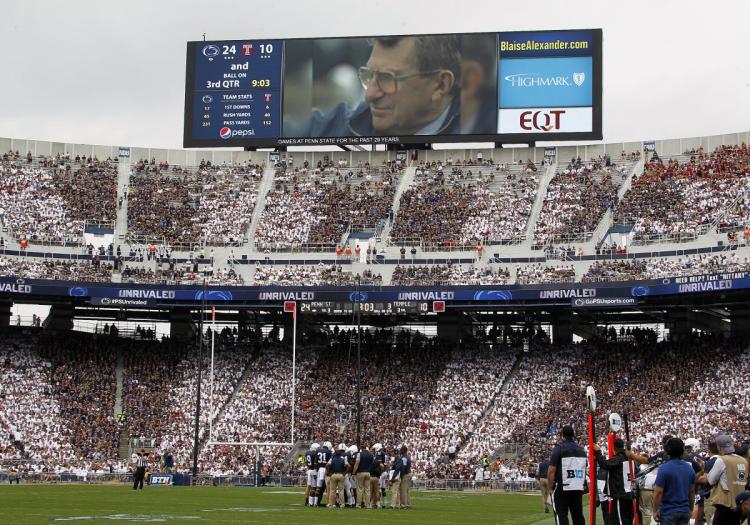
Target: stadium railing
<point x="274" y="481"/>
<point x="553" y="239"/>
<point x="656" y="238"/>
<point x="296" y="248"/>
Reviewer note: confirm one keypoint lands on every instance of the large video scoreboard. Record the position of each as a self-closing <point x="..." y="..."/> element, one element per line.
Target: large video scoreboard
<point x="500" y="87"/>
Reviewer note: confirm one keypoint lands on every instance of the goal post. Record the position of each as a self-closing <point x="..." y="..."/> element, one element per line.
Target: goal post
<point x="289" y="307"/>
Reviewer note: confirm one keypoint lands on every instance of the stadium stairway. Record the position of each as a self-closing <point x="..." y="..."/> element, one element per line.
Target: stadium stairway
<point x="123" y="449"/>
<point x="506" y="380"/>
<point x="123" y="180"/>
<point x="538" y="202"/>
<point x="607" y="219"/>
<point x="403" y="185"/>
<point x="124" y="440"/>
<point x="266" y="185"/>
<point x="119" y="373"/>
<point x="249" y="367"/>
<point x="299" y="448"/>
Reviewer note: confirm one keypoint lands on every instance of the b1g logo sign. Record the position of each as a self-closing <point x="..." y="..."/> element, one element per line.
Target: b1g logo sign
<point x="545" y="120"/>
<point x="574" y="469"/>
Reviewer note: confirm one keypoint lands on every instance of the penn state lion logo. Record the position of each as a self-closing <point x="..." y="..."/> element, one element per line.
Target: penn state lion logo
<point x="579" y="78"/>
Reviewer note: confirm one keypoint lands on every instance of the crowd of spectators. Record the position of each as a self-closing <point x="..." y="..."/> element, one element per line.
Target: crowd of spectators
<point x="464" y="204"/>
<point x="453" y="407"/>
<point x="48" y="200"/>
<point x="314" y="205"/>
<point x="679" y="201"/>
<point x="214" y="204"/>
<point x="93" y="270"/>
<point x="463" y="392"/>
<point x="57" y="403"/>
<point x="577" y="198"/>
<point x="716" y="401"/>
<point x="160" y="386"/>
<point x="259" y="412"/>
<point x="411" y="275"/>
<point x="538" y="273"/>
<point x="309" y="275"/>
<point x="664" y="386"/>
<point x="30" y="421"/>
<point x="631" y="270"/>
<point x="170" y="273"/>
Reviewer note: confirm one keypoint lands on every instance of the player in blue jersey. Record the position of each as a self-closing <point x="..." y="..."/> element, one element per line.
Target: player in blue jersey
<point x="323" y="455"/>
<point x="378" y="476"/>
<point x="311" y="462"/>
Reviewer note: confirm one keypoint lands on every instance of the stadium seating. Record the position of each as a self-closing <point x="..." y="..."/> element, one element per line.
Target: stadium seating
<point x="168" y="273"/>
<point x="657" y="268"/>
<point x="446" y="274"/>
<point x="314" y="206"/>
<point x="576" y="200"/>
<point x="58" y="400"/>
<point x="48" y="200"/>
<point x="160" y="385"/>
<point x="530" y="274"/>
<point x="76" y="270"/>
<point x="175" y="206"/>
<point x="476" y="399"/>
<point x="465" y="204"/>
<point x="319" y="274"/>
<point x="678" y="201"/>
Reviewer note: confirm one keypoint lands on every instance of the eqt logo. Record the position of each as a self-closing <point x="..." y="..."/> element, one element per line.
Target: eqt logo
<point x="225" y="133"/>
<point x="541" y="120"/>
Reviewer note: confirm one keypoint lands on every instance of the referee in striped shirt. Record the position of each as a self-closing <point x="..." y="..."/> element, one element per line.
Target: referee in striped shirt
<point x="140" y="470"/>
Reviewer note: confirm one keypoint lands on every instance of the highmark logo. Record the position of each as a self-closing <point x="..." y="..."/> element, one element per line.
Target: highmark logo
<point x="527" y="80"/>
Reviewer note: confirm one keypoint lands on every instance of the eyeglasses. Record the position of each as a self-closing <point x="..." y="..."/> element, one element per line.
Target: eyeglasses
<point x="387" y="81"/>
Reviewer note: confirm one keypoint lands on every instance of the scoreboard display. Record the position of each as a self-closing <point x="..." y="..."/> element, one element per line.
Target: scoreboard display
<point x="366" y="307"/>
<point x="236" y="90"/>
<point x="500" y="87"/>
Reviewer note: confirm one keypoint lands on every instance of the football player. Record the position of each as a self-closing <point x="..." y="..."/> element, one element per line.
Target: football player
<point x="323" y="456"/>
<point x="379" y="476"/>
<point x="311" y="462"/>
<point x="350" y="486"/>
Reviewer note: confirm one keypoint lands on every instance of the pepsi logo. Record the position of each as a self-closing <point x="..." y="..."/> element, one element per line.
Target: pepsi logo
<point x="225" y="133"/>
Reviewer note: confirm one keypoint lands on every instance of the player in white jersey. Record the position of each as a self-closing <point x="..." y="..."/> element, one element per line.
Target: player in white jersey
<point x="350" y="484"/>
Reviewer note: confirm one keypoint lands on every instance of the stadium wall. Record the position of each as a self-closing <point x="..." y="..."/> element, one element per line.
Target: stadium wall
<point x="506" y="155"/>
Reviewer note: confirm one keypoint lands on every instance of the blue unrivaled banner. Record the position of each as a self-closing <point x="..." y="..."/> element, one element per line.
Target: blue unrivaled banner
<point x="166" y="296"/>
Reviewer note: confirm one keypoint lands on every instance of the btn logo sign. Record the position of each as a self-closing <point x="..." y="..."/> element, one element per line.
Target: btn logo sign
<point x="160" y="479"/>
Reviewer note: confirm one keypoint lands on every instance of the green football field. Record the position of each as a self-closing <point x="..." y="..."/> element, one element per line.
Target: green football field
<point x="41" y="504"/>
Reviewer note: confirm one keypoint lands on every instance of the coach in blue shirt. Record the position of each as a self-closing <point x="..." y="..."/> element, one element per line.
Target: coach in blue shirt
<point x="674" y="487"/>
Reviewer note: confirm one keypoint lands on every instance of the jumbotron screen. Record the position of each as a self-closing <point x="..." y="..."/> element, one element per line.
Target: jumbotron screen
<point x="512" y="87"/>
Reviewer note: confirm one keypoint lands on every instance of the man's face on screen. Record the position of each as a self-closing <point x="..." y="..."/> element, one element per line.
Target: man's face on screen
<point x="408" y="108"/>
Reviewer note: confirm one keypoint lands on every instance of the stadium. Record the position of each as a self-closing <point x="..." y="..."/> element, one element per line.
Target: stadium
<point x="428" y="262"/>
